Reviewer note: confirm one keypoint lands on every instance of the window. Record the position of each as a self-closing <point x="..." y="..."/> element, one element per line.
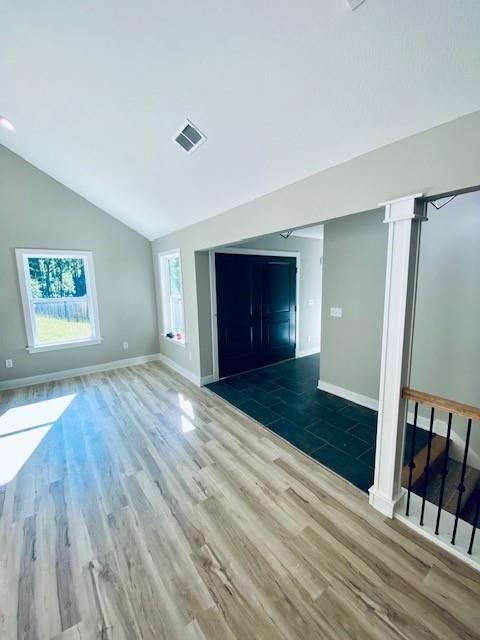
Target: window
<point x="172" y="296"/>
<point x="59" y="301"/>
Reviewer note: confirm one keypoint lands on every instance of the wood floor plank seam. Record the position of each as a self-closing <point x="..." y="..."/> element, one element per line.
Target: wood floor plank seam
<point x="154" y="510"/>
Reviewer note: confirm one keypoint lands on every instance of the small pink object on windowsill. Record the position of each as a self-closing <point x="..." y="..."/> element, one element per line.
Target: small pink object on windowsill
<point x="179" y="336"/>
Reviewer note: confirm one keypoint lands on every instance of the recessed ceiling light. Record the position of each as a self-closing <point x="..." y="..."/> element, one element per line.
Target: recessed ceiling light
<point x="6" y="124"/>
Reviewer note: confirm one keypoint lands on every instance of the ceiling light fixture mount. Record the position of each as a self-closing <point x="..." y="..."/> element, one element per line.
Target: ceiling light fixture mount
<point x="354" y="4"/>
<point x="438" y="204"/>
<point x="6" y="124"/>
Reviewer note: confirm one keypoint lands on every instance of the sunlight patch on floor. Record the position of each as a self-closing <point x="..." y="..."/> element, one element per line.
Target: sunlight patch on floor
<point x="23" y="428"/>
<point x="29" y="416"/>
<point x="15" y="451"/>
<point x="186" y="425"/>
<point x="186" y="408"/>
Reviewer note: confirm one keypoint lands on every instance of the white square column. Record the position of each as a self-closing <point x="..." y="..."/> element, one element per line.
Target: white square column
<point x="404" y="217"/>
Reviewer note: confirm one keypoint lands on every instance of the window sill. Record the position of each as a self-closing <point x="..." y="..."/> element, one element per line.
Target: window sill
<point x="179" y="343"/>
<point x="64" y="345"/>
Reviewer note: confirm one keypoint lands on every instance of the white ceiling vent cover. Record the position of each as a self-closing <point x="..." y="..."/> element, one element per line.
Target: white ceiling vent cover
<point x="189" y="137"/>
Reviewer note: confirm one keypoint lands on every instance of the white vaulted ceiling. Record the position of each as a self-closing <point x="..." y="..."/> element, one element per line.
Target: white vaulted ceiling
<point x="282" y="89"/>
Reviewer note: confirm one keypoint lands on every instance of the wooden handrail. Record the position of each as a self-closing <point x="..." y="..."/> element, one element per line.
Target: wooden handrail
<point x="450" y="406"/>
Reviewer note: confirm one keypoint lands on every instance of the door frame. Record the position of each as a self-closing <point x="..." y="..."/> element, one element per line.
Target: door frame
<point x="213" y="293"/>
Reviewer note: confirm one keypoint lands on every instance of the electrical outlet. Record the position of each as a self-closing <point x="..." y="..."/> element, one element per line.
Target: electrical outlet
<point x="125" y="345"/>
<point x="309" y="339"/>
<point x="189" y="355"/>
<point x="336" y="312"/>
<point x="9" y="363"/>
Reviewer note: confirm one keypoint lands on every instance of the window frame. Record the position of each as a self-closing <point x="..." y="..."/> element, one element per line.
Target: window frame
<point x="166" y="295"/>
<point x="28" y="301"/>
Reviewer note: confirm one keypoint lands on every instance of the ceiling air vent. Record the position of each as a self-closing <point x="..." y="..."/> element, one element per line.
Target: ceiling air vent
<point x="189" y="137"/>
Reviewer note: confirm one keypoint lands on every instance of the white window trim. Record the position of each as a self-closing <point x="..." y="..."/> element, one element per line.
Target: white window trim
<point x="22" y="256"/>
<point x="164" y="287"/>
<point x="179" y="343"/>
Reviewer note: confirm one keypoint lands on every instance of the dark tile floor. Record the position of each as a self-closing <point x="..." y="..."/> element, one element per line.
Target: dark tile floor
<point x="284" y="397"/>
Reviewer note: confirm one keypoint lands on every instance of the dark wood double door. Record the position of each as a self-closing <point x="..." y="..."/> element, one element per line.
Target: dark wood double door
<point x="255" y="310"/>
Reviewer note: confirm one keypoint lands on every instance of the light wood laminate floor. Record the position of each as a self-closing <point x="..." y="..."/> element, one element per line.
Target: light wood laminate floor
<point x="152" y="509"/>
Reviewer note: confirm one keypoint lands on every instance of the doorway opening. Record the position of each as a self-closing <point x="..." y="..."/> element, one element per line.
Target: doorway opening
<point x="256" y="309"/>
<point x="266" y="301"/>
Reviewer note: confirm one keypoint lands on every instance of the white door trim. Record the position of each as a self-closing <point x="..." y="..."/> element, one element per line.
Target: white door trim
<point x="213" y="312"/>
<point x="213" y="293"/>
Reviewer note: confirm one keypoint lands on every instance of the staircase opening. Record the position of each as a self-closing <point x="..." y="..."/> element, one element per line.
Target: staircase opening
<point x="442" y="476"/>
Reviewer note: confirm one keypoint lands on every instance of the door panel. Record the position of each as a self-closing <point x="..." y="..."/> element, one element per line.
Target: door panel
<point x="277" y="334"/>
<point x="278" y="318"/>
<point x="236" y="338"/>
<point x="255" y="311"/>
<point x="277" y="286"/>
<point x="239" y="328"/>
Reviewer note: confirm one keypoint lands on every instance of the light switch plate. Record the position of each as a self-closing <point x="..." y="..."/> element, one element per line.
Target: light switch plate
<point x="336" y="312"/>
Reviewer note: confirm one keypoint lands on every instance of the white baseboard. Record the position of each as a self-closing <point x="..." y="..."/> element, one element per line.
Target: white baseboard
<point x="192" y="377"/>
<point x="17" y="383"/>
<point x="464" y="529"/>
<point x="385" y="505"/>
<point x="358" y="398"/>
<point x="79" y="371"/>
<point x="308" y="352"/>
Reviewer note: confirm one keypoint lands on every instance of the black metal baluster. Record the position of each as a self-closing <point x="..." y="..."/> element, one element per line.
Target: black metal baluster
<point x="461" y="486"/>
<point x="426" y="472"/>
<point x="411" y="463"/>
<point x="444" y="474"/>
<point x="475" y="521"/>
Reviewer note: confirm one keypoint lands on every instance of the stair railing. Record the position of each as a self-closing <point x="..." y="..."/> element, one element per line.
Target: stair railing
<point x="452" y="408"/>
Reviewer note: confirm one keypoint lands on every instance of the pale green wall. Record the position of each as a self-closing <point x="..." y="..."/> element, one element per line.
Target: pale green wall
<point x="354" y="260"/>
<point x="202" y="270"/>
<point x="38" y="212"/>
<point x="441" y="159"/>
<point x="446" y="345"/>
